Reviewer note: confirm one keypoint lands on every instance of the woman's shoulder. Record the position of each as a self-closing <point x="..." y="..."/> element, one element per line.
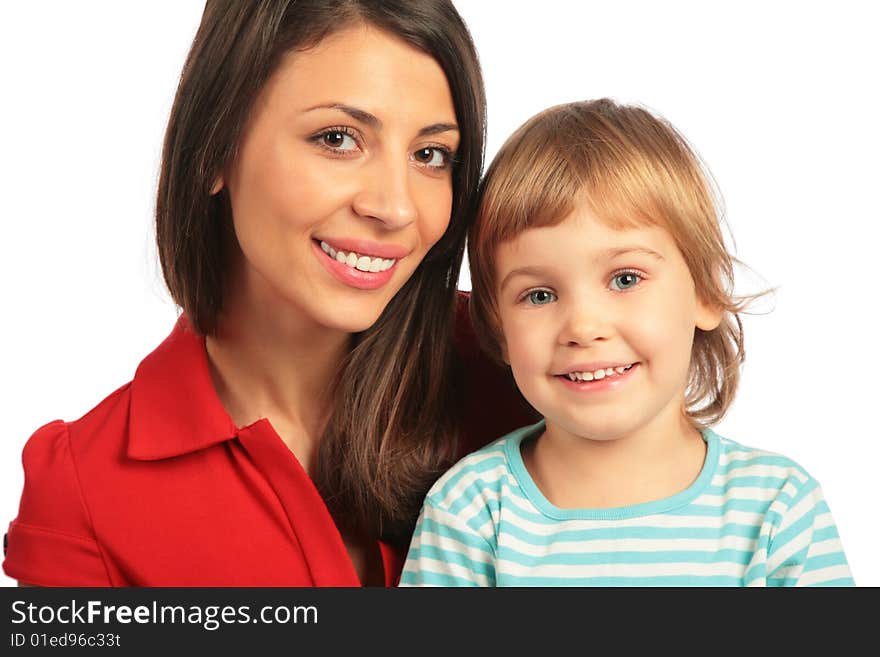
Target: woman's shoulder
<point x="105" y="420"/>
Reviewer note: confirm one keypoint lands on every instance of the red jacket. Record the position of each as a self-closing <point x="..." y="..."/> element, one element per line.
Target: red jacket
<point x="157" y="487"/>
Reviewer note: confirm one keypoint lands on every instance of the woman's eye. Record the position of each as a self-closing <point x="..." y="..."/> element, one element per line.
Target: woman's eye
<point x="338" y="140"/>
<point x="540" y="297"/>
<point x="625" y="280"/>
<point x="433" y="157"/>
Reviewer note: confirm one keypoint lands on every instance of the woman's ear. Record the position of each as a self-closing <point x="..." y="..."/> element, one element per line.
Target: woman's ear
<point x="217" y="186"/>
<point x="708" y="317"/>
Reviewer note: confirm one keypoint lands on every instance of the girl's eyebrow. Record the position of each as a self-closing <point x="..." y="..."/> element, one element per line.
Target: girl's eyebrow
<point x="521" y="271"/>
<point x="374" y="122"/>
<point x="624" y="250"/>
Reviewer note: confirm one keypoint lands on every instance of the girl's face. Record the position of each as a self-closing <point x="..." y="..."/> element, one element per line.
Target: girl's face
<point x="342" y="181"/>
<point x="598" y="325"/>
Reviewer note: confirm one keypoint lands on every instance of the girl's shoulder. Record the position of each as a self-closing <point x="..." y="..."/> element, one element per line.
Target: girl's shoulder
<point x="482" y="474"/>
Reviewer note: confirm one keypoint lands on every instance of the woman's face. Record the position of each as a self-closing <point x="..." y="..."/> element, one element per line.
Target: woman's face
<point x="343" y="178"/>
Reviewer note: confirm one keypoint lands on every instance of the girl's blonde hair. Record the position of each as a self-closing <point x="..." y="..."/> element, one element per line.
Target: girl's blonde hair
<point x="632" y="168"/>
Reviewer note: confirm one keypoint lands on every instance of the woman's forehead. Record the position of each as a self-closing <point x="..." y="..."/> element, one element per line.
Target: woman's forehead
<point x="363" y="67"/>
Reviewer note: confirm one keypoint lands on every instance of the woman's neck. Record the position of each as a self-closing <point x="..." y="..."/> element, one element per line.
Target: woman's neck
<point x="269" y="361"/>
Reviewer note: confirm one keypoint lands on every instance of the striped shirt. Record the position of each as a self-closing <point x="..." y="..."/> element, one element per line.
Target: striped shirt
<point x="751" y="518"/>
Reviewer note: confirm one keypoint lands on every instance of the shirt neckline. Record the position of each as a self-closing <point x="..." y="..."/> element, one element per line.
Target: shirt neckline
<point x="536" y="497"/>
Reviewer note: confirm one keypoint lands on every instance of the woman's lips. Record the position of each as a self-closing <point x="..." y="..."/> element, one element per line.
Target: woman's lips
<point x="362" y="280"/>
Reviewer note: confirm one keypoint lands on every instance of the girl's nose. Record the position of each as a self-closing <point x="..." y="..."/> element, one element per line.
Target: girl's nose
<point x="385" y="194"/>
<point x="583" y="325"/>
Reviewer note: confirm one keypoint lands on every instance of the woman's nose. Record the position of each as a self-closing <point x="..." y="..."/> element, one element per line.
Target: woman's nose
<point x="385" y="193"/>
<point x="584" y="324"/>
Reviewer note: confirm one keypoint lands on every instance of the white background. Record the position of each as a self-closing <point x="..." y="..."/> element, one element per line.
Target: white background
<point x="777" y="98"/>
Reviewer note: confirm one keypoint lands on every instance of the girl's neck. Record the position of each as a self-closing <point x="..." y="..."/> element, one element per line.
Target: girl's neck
<point x="270" y="361"/>
<point x="658" y="460"/>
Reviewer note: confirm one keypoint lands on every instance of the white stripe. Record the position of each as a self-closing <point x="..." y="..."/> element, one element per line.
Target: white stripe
<point x="824" y="575"/>
<point x="758" y="470"/>
<point x="623" y="570"/>
<point x="741" y="543"/>
<point x="482" y="481"/>
<point x="829" y="546"/>
<point x="662" y="521"/>
<point x="746" y="493"/>
<point x="447" y="544"/>
<point x="823" y="520"/>
<point x="425" y="565"/>
<point x="784" y="552"/>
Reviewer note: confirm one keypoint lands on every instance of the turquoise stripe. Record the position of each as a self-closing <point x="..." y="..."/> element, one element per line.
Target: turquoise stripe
<point x="450" y="555"/>
<point x="825" y="561"/>
<point x="437" y="528"/>
<point x="748" y="506"/>
<point x="625" y="557"/>
<point x="428" y="578"/>
<point x="790" y="533"/>
<point x="825" y="534"/>
<point x="841" y="581"/>
<point x="758" y="571"/>
<point x="762" y="459"/>
<point x="660" y="580"/>
<point x="439" y="495"/>
<point x="483" y="516"/>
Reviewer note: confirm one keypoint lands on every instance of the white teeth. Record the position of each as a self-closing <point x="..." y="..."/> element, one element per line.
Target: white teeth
<point x="358" y="261"/>
<point x="598" y="374"/>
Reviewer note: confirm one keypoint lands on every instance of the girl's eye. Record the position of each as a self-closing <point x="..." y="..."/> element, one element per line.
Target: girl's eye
<point x="540" y="297"/>
<point x="338" y="140"/>
<point x="433" y="157"/>
<point x="625" y="280"/>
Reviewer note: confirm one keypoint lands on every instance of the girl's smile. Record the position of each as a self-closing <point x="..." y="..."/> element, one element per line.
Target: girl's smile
<point x="595" y="379"/>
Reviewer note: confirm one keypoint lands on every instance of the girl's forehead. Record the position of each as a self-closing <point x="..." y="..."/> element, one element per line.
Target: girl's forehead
<point x="584" y="233"/>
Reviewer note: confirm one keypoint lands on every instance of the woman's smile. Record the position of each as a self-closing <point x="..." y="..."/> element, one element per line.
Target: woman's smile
<point x="357" y="269"/>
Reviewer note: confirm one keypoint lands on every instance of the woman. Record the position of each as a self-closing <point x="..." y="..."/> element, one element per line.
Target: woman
<point x="317" y="175"/>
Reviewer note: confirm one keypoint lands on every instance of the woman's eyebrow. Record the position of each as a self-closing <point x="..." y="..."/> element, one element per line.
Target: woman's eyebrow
<point x="436" y="128"/>
<point x="357" y="114"/>
<point x="374" y="122"/>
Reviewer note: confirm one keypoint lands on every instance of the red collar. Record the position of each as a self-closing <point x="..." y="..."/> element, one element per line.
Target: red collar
<point x="174" y="407"/>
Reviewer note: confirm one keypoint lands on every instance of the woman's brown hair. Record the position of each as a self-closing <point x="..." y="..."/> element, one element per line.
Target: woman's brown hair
<point x="390" y="432"/>
<point x="632" y="168"/>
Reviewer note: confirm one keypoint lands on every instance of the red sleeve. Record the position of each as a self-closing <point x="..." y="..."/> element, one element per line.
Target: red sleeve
<point x="51" y="542"/>
<point x="489" y="401"/>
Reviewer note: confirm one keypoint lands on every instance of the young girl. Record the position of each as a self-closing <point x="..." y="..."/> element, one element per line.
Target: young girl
<point x="601" y="277"/>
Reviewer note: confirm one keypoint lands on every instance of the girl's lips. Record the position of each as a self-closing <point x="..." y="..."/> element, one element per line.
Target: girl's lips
<point x="362" y="280"/>
<point x="606" y="384"/>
